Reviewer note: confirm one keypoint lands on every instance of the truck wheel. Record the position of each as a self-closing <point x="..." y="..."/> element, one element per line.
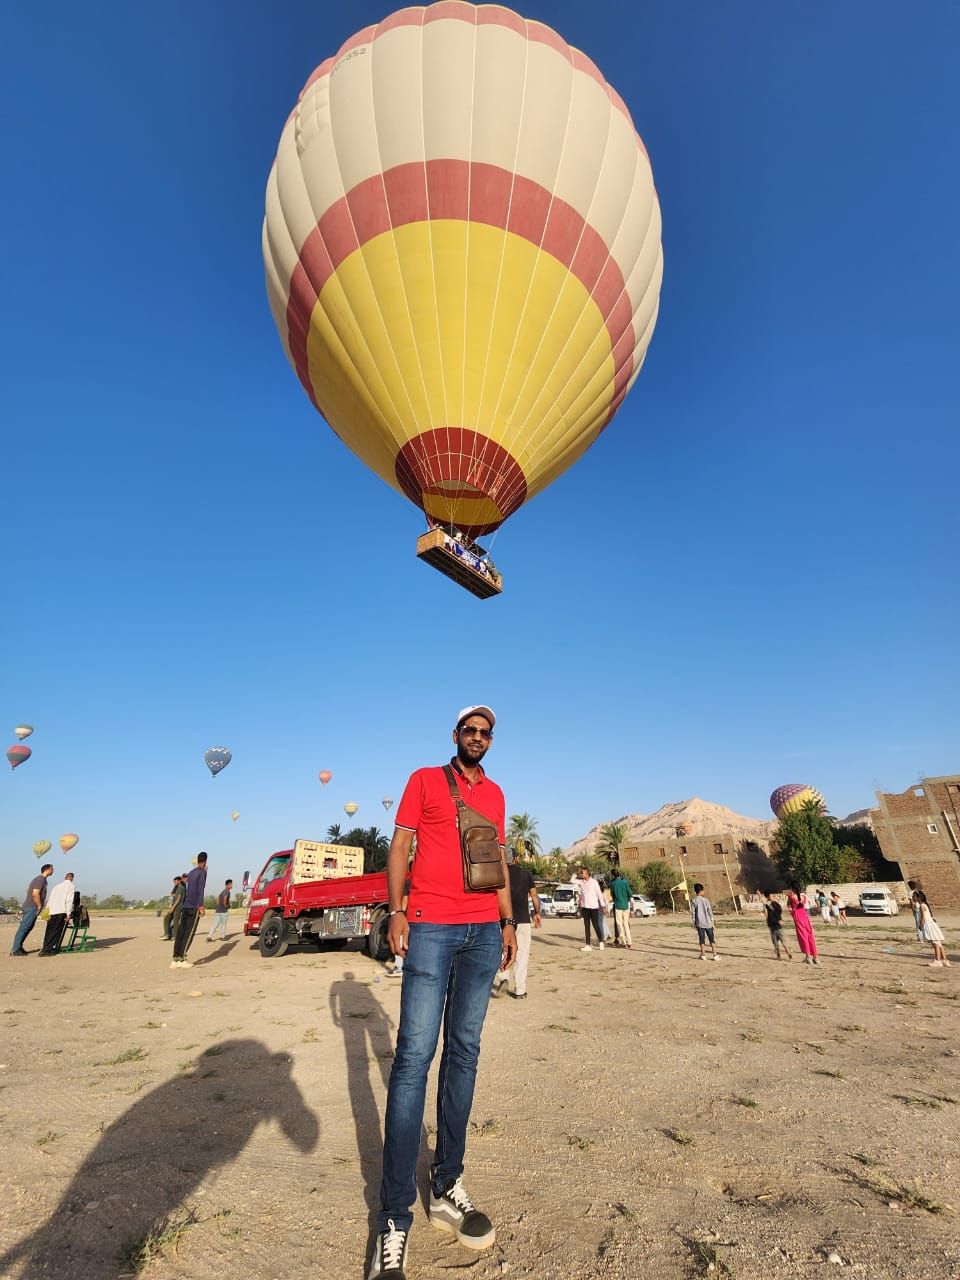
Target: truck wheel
<point x="274" y="938"/>
<point x="378" y="948"/>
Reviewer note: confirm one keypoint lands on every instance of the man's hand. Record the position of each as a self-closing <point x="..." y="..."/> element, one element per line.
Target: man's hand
<point x="201" y="911"/>
<point x="509" y="946"/>
<point x="536" y="919"/>
<point x="398" y="933"/>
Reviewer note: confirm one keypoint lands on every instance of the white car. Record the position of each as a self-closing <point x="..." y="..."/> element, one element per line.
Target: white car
<point x="878" y="902"/>
<point x="546" y="904"/>
<point x="641" y="906"/>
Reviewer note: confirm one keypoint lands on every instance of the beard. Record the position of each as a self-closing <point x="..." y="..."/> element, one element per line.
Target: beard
<point x="470" y="753"/>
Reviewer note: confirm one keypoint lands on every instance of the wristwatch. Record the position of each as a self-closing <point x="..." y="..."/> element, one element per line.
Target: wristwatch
<point x="509" y="920"/>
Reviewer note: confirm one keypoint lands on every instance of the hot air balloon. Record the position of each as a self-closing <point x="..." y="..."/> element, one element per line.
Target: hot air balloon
<point x="324" y="775"/>
<point x="217" y="758"/>
<point x="17" y="755"/>
<point x="235" y="815"/>
<point x="792" y="796"/>
<point x="387" y="803"/>
<point x="462" y="253"/>
<point x="350" y="808"/>
<point x="42" y="847"/>
<point x="23" y="731"/>
<point x="68" y="842"/>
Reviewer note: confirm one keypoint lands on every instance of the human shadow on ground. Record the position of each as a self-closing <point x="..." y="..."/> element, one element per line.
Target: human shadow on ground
<point x="210" y="957"/>
<point x="149" y="1161"/>
<point x="368" y="1033"/>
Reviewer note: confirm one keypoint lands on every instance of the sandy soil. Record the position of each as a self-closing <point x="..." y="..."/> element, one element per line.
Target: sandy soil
<point x="641" y="1114"/>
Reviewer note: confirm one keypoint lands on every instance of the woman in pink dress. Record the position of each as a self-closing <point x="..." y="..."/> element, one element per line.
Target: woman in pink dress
<point x="806" y="938"/>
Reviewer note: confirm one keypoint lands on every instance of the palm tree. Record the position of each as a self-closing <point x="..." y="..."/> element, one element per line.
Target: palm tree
<point x="522" y="835"/>
<point x="612" y="839"/>
<point x="333" y="834"/>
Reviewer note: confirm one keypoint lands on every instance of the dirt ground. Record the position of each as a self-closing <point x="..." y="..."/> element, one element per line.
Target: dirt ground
<point x="641" y="1116"/>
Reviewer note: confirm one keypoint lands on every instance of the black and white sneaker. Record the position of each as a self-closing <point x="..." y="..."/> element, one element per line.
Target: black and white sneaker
<point x="390" y="1255"/>
<point x="453" y="1211"/>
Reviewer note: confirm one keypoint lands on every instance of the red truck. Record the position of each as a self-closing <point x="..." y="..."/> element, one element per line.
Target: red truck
<point x="318" y="893"/>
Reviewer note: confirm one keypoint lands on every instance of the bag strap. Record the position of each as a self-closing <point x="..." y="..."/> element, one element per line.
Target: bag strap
<point x="454" y="788"/>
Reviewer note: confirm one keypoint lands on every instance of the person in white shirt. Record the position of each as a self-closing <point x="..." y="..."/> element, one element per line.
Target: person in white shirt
<point x="592" y="907"/>
<point x="59" y="907"/>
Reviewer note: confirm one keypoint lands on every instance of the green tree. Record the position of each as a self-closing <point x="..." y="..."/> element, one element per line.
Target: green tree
<point x="612" y="839"/>
<point x="658" y="879"/>
<point x="854" y="867"/>
<point x="522" y="835"/>
<point x="333" y="834"/>
<point x="115" y="902"/>
<point x="862" y="840"/>
<point x="804" y="850"/>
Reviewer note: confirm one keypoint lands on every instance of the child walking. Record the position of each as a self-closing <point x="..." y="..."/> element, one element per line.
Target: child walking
<point x="701" y="910"/>
<point x="931" y="932"/>
<point x="775" y="925"/>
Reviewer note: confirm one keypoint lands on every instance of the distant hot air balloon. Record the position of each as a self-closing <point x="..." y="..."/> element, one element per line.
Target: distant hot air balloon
<point x="23" y="731"/>
<point x="462" y="252"/>
<point x="42" y="847"/>
<point x="792" y="796"/>
<point x="324" y="775"/>
<point x="387" y="803"/>
<point x="68" y="842"/>
<point x="17" y="755"/>
<point x="235" y="815"/>
<point x="217" y="758"/>
<point x="350" y="808"/>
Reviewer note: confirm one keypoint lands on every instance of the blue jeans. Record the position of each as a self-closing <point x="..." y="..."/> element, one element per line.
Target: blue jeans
<point x="27" y="921"/>
<point x="447" y="974"/>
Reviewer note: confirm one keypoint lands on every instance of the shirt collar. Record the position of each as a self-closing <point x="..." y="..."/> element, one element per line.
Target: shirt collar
<point x="455" y="766"/>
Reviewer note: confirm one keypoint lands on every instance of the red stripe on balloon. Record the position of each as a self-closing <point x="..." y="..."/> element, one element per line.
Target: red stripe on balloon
<point x="445" y="456"/>
<point x="456" y="189"/>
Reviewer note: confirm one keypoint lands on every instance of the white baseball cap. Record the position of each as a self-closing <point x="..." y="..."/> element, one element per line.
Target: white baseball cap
<point x="467" y="712"/>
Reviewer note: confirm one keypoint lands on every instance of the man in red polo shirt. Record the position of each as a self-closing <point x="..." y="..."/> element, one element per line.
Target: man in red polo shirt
<point x="452" y="941"/>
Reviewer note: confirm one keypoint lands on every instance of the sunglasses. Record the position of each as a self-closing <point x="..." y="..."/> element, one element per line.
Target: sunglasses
<point x="470" y="731"/>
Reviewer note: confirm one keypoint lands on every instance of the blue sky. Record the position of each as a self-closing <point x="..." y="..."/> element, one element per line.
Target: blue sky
<point x="750" y="579"/>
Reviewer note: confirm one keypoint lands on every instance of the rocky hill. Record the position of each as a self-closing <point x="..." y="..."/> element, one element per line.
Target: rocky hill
<point x="698" y="817"/>
<point x="859" y="818"/>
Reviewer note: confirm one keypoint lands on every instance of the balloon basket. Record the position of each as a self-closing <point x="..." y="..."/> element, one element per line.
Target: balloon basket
<point x="463" y="564"/>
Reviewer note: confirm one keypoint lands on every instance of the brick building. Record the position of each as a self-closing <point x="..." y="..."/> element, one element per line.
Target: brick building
<point x="920" y="829"/>
<point x="709" y="860"/>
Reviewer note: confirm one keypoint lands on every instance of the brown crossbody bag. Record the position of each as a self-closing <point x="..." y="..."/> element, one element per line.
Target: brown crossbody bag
<point x="479" y="844"/>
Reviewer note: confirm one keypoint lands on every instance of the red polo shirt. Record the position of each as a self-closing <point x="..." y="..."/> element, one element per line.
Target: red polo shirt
<point x="437" y="895"/>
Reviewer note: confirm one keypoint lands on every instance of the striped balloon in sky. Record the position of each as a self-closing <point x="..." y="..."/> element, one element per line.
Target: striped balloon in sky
<point x="462" y="251"/>
<point x="792" y="796"/>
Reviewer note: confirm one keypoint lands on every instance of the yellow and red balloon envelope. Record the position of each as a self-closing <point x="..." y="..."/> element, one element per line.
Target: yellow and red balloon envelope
<point x="462" y="251"/>
<point x="68" y="842"/>
<point x="16" y="755"/>
<point x="324" y="775"/>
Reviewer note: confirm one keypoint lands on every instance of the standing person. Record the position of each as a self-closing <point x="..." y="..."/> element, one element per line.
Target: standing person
<point x="176" y="897"/>
<point x="32" y="906"/>
<point x="620" y="890"/>
<point x="806" y="938"/>
<point x="915" y="908"/>
<point x="190" y="912"/>
<point x="222" y="911"/>
<point x="453" y="940"/>
<point x="592" y="907"/>
<point x="931" y="932"/>
<point x="775" y="925"/>
<point x="701" y="911"/>
<point x="823" y="904"/>
<point x="522" y="891"/>
<point x="838" y="908"/>
<point x="58" y="908"/>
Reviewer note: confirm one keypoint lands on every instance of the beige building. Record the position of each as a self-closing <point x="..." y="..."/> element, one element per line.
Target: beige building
<point x="920" y="829"/>
<point x="725" y="865"/>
